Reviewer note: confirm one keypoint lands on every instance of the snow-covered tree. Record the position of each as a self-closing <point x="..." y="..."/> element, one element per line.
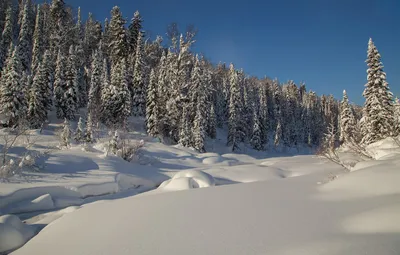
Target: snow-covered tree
<point x="348" y="123"/>
<point x="25" y="38"/>
<point x="116" y="98"/>
<point x="135" y="27"/>
<point x="60" y="85"/>
<point x="65" y="137"/>
<point x="38" y="40"/>
<point x="70" y="97"/>
<point x="212" y="123"/>
<point x="378" y="115"/>
<point x="89" y="134"/>
<point x="117" y="36"/>
<point x="256" y="140"/>
<point x="7" y="36"/>
<point x="263" y="112"/>
<point x="199" y="126"/>
<point x="12" y="99"/>
<point x="91" y="39"/>
<point x="38" y="101"/>
<point x="236" y="133"/>
<point x="152" y="114"/>
<point x="185" y="131"/>
<point x="95" y="86"/>
<point x="278" y="134"/>
<point x="80" y="131"/>
<point x="139" y="87"/>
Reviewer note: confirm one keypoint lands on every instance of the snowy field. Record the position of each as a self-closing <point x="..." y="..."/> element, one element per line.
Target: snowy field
<point x="176" y="201"/>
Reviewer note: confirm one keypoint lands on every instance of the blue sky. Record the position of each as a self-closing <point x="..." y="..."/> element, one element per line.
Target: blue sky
<point x="320" y="42"/>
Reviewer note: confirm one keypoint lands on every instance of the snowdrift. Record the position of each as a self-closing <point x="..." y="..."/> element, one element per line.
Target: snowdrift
<point x="13" y="233"/>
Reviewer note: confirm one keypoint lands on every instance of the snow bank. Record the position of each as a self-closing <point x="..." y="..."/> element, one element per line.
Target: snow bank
<point x="189" y="179"/>
<point x="13" y="233"/>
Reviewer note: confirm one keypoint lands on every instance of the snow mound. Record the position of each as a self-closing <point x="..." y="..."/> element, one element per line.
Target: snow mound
<point x="188" y="179"/>
<point x="13" y="233"/>
<point x="373" y="181"/>
<point x="383" y="149"/>
<point x="44" y="202"/>
<point x="213" y="160"/>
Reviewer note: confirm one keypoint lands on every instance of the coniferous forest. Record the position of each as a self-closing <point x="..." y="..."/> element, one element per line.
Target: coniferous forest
<point x="52" y="60"/>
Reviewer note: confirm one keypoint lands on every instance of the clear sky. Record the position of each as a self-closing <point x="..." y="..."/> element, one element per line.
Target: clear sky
<point x="320" y="42"/>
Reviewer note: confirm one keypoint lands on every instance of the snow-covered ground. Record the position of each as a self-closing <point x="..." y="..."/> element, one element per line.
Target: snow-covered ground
<point x="177" y="201"/>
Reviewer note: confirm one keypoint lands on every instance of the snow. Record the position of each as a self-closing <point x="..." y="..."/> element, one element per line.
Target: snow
<point x="189" y="179"/>
<point x="183" y="202"/>
<point x="13" y="233"/>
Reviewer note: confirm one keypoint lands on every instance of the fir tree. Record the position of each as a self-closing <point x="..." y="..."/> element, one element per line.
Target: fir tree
<point x="212" y="123"/>
<point x="152" y="115"/>
<point x="95" y="86"/>
<point x="25" y="39"/>
<point x="65" y="138"/>
<point x="60" y="85"/>
<point x="256" y="136"/>
<point x="185" y="132"/>
<point x="378" y="121"/>
<point x="348" y="124"/>
<point x="117" y="36"/>
<point x="116" y="98"/>
<point x="70" y="98"/>
<point x="7" y="37"/>
<point x="12" y="99"/>
<point x="38" y="43"/>
<point x="89" y="136"/>
<point x="133" y="32"/>
<point x="80" y="131"/>
<point x="236" y="134"/>
<point x="37" y="110"/>
<point x="139" y="88"/>
<point x="263" y="112"/>
<point x="278" y="134"/>
<point x="199" y="133"/>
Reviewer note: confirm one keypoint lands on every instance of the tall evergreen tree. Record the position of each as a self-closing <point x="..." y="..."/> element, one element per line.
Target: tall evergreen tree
<point x="152" y="115"/>
<point x="37" y="109"/>
<point x="60" y="85"/>
<point x="348" y="123"/>
<point x="116" y="98"/>
<point x="12" y="98"/>
<point x="378" y="114"/>
<point x="133" y="32"/>
<point x="117" y="36"/>
<point x="7" y="36"/>
<point x="236" y="134"/>
<point x="185" y="131"/>
<point x="25" y="38"/>
<point x="38" y="43"/>
<point x="212" y="123"/>
<point x="256" y="135"/>
<point x="139" y="87"/>
<point x="95" y="86"/>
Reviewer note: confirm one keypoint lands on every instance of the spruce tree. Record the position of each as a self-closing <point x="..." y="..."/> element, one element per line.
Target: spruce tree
<point x="116" y="98"/>
<point x="95" y="86"/>
<point x="60" y="86"/>
<point x="348" y="123"/>
<point x="80" y="131"/>
<point x="236" y="134"/>
<point x="264" y="115"/>
<point x="117" y="36"/>
<point x="65" y="137"/>
<point x="7" y="37"/>
<point x="199" y="125"/>
<point x="133" y="32"/>
<point x="185" y="131"/>
<point x="70" y="98"/>
<point x="152" y="115"/>
<point x="256" y="136"/>
<point x="212" y="123"/>
<point x="25" y="39"/>
<point x="38" y="43"/>
<point x="12" y="99"/>
<point x="89" y="134"/>
<point x="278" y="134"/>
<point x="378" y="113"/>
<point x="37" y="110"/>
<point x="139" y="87"/>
